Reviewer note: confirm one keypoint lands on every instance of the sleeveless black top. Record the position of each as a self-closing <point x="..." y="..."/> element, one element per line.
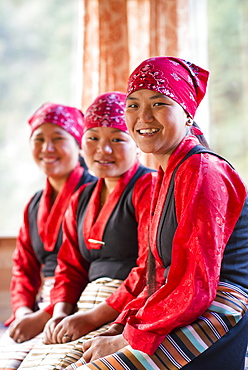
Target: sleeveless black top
<point x="118" y="255"/>
<point x="46" y="258"/>
<point x="234" y="267"/>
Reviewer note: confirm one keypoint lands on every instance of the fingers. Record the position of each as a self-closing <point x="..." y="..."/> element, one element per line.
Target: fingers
<point x="47" y="338"/>
<point x="87" y="356"/>
<point x="48" y="332"/>
<point x="66" y="338"/>
<point x="61" y="334"/>
<point x="86" y="344"/>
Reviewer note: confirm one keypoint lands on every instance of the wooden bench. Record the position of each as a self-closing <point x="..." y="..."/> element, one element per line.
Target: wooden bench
<point x="7" y="246"/>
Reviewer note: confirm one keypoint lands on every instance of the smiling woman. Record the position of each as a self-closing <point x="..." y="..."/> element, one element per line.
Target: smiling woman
<point x="155" y="121"/>
<point x="193" y="312"/>
<point x="56" y="132"/>
<point x="105" y="240"/>
<point x="55" y="151"/>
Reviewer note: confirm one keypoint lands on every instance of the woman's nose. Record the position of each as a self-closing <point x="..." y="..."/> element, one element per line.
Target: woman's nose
<point x="105" y="148"/>
<point x="48" y="146"/>
<point x="145" y="114"/>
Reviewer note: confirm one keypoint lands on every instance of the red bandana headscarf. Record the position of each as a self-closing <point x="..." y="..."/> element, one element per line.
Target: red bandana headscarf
<point x="176" y="78"/>
<point x="69" y="118"/>
<point x="107" y="110"/>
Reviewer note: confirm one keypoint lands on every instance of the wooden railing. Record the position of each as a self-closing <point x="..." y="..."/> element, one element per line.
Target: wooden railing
<point x="7" y="246"/>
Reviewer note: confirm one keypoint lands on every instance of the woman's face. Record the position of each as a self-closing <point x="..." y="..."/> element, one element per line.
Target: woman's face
<point x="156" y="122"/>
<point x="108" y="152"/>
<point x="54" y="150"/>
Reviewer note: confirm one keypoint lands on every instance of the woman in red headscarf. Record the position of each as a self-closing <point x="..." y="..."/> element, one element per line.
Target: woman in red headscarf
<point x="56" y="133"/>
<point x="195" y="317"/>
<point x="105" y="237"/>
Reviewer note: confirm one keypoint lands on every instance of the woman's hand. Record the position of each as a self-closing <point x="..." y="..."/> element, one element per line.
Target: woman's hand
<point x="49" y="337"/>
<point x="69" y="328"/>
<point x="28" y="326"/>
<point x="115" y="329"/>
<point x="102" y="346"/>
<point x="61" y="310"/>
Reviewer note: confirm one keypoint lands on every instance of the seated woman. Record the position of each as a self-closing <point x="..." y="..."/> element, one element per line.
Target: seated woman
<point x="105" y="237"/>
<point x="56" y="133"/>
<point x="195" y="317"/>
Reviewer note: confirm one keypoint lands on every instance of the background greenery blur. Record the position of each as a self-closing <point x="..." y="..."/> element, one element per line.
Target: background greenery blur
<point x="38" y="52"/>
<point x="228" y="87"/>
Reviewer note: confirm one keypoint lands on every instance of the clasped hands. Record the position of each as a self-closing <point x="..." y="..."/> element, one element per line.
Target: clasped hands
<point x="69" y="328"/>
<point x="104" y="344"/>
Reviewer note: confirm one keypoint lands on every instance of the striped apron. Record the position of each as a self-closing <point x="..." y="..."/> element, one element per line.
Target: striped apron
<point x="219" y="335"/>
<point x="58" y="356"/>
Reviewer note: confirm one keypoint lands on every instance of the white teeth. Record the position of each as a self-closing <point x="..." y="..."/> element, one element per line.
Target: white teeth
<point x="49" y="160"/>
<point x="148" y="131"/>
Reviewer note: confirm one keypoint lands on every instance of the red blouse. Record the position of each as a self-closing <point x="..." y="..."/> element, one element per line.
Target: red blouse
<point x="26" y="274"/>
<point x="209" y="196"/>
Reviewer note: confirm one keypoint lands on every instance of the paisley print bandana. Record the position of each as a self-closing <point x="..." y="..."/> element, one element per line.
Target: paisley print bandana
<point x="69" y="118"/>
<point x="176" y="78"/>
<point x="107" y="110"/>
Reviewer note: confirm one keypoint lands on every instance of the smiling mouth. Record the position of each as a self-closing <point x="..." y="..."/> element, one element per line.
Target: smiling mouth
<point x="49" y="160"/>
<point x="105" y="162"/>
<point x="148" y="131"/>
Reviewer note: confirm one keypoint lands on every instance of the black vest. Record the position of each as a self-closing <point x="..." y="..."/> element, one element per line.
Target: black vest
<point x="234" y="266"/>
<point x="118" y="255"/>
<point x="46" y="258"/>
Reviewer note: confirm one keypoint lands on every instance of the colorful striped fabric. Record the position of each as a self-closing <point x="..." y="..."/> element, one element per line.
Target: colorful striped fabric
<point x="184" y="344"/>
<point x="58" y="356"/>
<point x="11" y="353"/>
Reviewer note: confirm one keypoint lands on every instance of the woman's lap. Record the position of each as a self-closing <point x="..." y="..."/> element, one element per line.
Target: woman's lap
<point x="58" y="356"/>
<point x="213" y="340"/>
<point x="12" y="354"/>
<point x="228" y="353"/>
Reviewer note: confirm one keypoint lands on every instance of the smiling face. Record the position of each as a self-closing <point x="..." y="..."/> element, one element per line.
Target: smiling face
<point x="108" y="152"/>
<point x="55" y="151"/>
<point x="156" y="123"/>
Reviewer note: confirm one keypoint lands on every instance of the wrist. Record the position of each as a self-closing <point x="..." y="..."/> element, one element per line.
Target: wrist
<point x="62" y="309"/>
<point x="102" y="314"/>
<point x="22" y="311"/>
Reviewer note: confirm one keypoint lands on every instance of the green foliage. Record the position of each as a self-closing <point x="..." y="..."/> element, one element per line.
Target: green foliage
<point x="228" y="51"/>
<point x="38" y="64"/>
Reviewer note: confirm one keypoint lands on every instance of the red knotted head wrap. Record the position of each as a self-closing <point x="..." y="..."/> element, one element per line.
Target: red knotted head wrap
<point x="107" y="110"/>
<point x="176" y="78"/>
<point x="69" y="118"/>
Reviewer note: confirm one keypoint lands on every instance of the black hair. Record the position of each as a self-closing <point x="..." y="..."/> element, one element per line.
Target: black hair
<point x="201" y="138"/>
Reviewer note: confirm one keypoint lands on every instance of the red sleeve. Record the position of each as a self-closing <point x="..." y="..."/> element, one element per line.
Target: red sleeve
<point x="209" y="198"/>
<point x="136" y="280"/>
<point x="26" y="280"/>
<point x="71" y="273"/>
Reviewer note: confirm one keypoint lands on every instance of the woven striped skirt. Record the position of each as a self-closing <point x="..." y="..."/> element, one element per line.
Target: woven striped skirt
<point x="11" y="353"/>
<point x="58" y="356"/>
<point x="216" y="340"/>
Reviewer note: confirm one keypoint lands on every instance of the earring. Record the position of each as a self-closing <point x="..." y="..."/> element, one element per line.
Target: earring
<point x="189" y="122"/>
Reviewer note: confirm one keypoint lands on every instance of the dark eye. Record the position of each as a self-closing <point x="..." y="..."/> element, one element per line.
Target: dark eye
<point x="132" y="105"/>
<point x="159" y="104"/>
<point x="92" y="138"/>
<point x="38" y="139"/>
<point x="117" y="140"/>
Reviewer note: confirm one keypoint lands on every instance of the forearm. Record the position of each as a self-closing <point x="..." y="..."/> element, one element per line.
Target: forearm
<point x="22" y="311"/>
<point x="101" y="314"/>
<point x="62" y="309"/>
